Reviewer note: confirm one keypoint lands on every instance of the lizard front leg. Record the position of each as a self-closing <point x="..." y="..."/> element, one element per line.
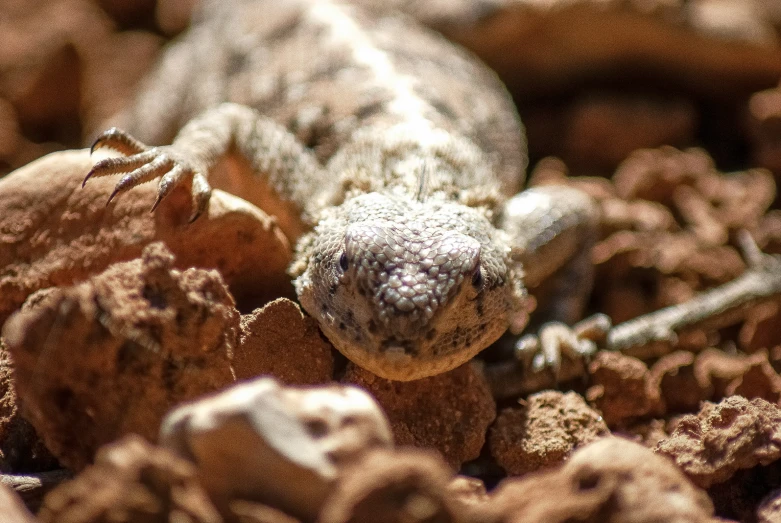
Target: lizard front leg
<point x="270" y="148"/>
<point x="552" y="230"/>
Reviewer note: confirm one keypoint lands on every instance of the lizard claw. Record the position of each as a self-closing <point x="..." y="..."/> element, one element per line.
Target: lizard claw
<point x="140" y="164"/>
<point x="544" y="350"/>
<point x="201" y="191"/>
<point x="118" y="140"/>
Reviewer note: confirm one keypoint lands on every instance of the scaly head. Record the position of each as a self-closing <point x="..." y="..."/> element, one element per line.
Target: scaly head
<point x="409" y="289"/>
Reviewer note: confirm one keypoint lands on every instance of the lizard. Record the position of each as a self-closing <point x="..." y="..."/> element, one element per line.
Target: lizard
<point x="391" y="156"/>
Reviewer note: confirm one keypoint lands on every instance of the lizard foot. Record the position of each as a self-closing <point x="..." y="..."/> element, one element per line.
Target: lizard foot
<point x="141" y="163"/>
<point x="579" y="342"/>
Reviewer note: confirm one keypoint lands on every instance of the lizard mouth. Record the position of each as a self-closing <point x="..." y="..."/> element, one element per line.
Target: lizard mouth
<point x="394" y="346"/>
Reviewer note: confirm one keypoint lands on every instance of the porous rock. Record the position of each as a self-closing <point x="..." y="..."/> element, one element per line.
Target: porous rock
<point x="717" y="370"/>
<point x="709" y="203"/>
<point x="282" y="446"/>
<point x="132" y="481"/>
<point x="611" y="480"/>
<point x="723" y="438"/>
<point x="671" y="216"/>
<point x="112" y="355"/>
<point x="450" y="412"/>
<point x="279" y="340"/>
<point x="544" y="431"/>
<point x="759" y="380"/>
<point x="677" y="381"/>
<point x="621" y="389"/>
<point x="409" y="485"/>
<point x="759" y="328"/>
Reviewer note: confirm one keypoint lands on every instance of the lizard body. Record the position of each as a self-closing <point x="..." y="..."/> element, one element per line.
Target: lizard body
<point x="394" y="156"/>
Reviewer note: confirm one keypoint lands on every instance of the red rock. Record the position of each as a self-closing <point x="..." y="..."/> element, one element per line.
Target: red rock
<point x="723" y="438"/>
<point x="449" y="412"/>
<point x="279" y="340"/>
<point x="544" y="431"/>
<point x="112" y="355"/>
<point x="621" y="388"/>
<point x="609" y="480"/>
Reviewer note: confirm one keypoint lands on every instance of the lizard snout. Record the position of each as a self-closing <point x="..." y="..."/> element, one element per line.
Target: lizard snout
<point x="408" y="272"/>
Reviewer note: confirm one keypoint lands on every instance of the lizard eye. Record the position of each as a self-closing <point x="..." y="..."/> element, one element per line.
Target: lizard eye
<point x="343" y="262"/>
<point x="477" y="278"/>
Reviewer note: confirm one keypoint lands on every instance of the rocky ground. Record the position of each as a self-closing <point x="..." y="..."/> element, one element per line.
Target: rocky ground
<point x="668" y="112"/>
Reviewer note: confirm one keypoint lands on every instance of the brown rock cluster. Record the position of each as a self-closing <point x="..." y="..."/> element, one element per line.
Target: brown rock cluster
<point x="282" y="446"/>
<point x="732" y="449"/>
<point x="669" y="226"/>
<point x="723" y="438"/>
<point x="609" y="480"/>
<point x="111" y="355"/>
<point x="450" y="412"/>
<point x="544" y="432"/>
<point x="114" y="354"/>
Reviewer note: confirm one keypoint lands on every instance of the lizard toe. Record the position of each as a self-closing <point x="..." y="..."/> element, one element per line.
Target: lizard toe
<point x="176" y="175"/>
<point x="118" y="140"/>
<point x="555" y="340"/>
<point x="123" y="164"/>
<point x="181" y="172"/>
<point x="201" y="192"/>
<point x="145" y="173"/>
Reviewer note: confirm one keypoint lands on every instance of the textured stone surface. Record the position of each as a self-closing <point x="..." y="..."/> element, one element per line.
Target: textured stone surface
<point x="611" y="480"/>
<point x="132" y="481"/>
<point x="449" y="412"/>
<point x="544" y="431"/>
<point x="113" y="354"/>
<point x="723" y="438"/>
<point x="283" y="446"/>
<point x="621" y="390"/>
<point x="279" y="340"/>
<point x="679" y="388"/>
<point x="384" y="487"/>
<point x="21" y="450"/>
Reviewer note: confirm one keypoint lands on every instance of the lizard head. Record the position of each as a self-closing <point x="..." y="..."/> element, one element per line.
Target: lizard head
<point x="409" y="289"/>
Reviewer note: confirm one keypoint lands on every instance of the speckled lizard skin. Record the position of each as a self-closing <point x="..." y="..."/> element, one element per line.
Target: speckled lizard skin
<point x="393" y="157"/>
